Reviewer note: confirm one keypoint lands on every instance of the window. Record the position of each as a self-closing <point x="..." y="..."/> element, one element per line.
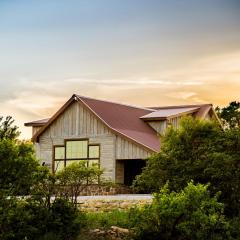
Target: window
<point x="94" y="151"/>
<point x="59" y="152"/>
<point x="75" y="151"/>
<point x="68" y="162"/>
<point x="58" y="165"/>
<point x="92" y="163"/>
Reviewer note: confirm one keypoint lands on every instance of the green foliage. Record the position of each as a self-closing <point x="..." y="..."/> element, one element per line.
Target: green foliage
<point x="234" y="227"/>
<point x="198" y="150"/>
<point x="28" y="219"/>
<point x="107" y="219"/>
<point x="188" y="214"/>
<point x="17" y="166"/>
<point x="39" y="215"/>
<point x="44" y="186"/>
<point x="7" y="129"/>
<point x="230" y="115"/>
<point x="76" y="177"/>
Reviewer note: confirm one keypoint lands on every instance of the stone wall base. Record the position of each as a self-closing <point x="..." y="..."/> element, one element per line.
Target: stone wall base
<point x="106" y="205"/>
<point x="96" y="190"/>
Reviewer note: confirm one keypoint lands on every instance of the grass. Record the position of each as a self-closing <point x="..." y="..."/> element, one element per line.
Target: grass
<point x="107" y="219"/>
<point x="104" y="220"/>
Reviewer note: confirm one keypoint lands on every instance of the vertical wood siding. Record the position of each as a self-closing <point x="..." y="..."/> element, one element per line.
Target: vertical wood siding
<point x="158" y="126"/>
<point x="128" y="150"/>
<point x="78" y="122"/>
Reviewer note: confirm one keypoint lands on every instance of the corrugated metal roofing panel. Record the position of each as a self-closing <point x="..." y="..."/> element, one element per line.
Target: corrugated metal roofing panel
<point x="165" y="113"/>
<point x="125" y="120"/>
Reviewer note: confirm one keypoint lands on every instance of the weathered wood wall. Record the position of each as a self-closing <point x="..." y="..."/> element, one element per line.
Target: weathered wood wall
<point x="128" y="150"/>
<point x="158" y="126"/>
<point x="35" y="129"/>
<point x="78" y="122"/>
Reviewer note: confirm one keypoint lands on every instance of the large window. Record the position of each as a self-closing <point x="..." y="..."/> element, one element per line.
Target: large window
<point x="75" y="151"/>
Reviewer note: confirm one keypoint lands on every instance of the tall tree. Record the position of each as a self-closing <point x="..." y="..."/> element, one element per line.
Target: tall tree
<point x="230" y="115"/>
<point x="8" y="129"/>
<point x="201" y="151"/>
<point x="18" y="164"/>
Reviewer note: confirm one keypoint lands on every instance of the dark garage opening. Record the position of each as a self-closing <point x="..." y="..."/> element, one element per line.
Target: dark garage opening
<point x="132" y="168"/>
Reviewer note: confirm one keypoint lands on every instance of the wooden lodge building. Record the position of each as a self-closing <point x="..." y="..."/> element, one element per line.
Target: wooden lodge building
<point x="117" y="136"/>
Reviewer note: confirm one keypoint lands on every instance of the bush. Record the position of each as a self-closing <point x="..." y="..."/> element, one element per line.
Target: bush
<point x="189" y="214"/>
<point x="27" y="219"/>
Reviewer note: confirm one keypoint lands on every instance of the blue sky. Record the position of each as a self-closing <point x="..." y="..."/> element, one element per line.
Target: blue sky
<point x="144" y="52"/>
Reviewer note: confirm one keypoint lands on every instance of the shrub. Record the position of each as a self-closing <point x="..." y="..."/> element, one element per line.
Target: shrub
<point x="28" y="219"/>
<point x="188" y="214"/>
<point x="64" y="221"/>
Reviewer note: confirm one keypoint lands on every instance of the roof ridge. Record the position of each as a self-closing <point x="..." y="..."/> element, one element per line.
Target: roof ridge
<point x="123" y="104"/>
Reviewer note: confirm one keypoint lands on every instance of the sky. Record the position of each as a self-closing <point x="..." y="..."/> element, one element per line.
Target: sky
<point x="141" y="52"/>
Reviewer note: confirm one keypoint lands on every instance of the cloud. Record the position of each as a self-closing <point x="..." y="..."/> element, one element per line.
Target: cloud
<point x="214" y="79"/>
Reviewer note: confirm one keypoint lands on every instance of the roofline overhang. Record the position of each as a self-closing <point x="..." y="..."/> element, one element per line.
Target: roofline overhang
<point x="30" y="124"/>
<point x="170" y="116"/>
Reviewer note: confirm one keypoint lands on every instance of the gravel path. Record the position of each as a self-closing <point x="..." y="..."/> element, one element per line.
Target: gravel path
<point x="117" y="197"/>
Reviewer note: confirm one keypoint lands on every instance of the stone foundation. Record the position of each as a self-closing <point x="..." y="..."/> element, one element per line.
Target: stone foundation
<point x="96" y="190"/>
<point x="107" y="205"/>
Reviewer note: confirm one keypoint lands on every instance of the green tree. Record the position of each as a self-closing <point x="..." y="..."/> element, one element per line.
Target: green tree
<point x="7" y="129"/>
<point x="188" y="214"/>
<point x="230" y="115"/>
<point x="40" y="215"/>
<point x="17" y="166"/>
<point x="200" y="151"/>
<point x="76" y="177"/>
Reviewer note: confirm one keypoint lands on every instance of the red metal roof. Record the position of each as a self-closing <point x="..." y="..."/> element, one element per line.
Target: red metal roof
<point x="37" y="123"/>
<point x="125" y="120"/>
<point x="166" y="113"/>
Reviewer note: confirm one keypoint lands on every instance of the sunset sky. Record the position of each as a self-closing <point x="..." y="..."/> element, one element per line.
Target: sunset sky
<point x="142" y="52"/>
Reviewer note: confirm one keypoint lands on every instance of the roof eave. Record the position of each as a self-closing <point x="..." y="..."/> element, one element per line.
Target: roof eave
<point x="34" y="124"/>
<point x="170" y="116"/>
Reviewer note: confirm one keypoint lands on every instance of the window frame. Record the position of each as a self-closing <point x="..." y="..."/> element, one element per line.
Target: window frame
<point x="74" y="159"/>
